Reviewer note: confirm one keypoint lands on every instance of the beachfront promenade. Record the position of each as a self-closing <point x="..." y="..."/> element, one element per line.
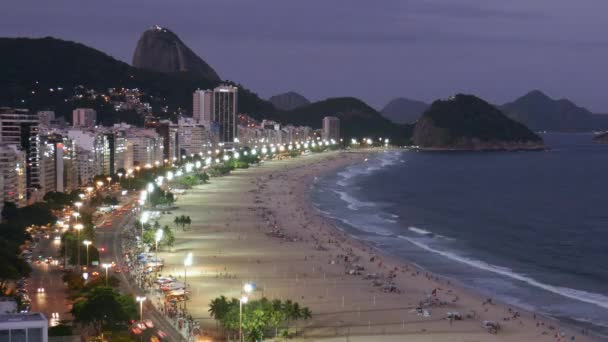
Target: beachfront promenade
<point x="257" y="225"/>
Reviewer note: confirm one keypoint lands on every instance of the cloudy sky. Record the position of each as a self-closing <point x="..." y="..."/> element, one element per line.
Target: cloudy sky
<point x="372" y="49"/>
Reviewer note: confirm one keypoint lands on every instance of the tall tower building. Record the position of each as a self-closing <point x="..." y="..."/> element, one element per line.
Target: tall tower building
<point x="202" y="106"/>
<point x="331" y="128"/>
<point x="19" y="127"/>
<point x="225" y="100"/>
<point x="84" y="117"/>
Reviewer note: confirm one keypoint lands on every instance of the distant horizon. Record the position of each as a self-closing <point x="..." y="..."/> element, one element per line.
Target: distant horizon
<point x="418" y="50"/>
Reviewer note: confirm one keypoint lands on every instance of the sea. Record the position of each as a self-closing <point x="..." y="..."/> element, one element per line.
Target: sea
<point x="526" y="228"/>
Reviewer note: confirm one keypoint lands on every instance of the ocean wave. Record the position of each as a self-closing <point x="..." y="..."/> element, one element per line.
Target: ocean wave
<point x="353" y="203"/>
<point x="368" y="228"/>
<point x="579" y="295"/>
<point x="420" y="231"/>
<point x="385" y="159"/>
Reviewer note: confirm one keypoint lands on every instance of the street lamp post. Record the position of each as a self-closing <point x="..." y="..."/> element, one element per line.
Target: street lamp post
<point x="106" y="266"/>
<point x="87" y="243"/>
<point x="187" y="262"/>
<point x="247" y="289"/>
<point x="78" y="228"/>
<point x="144" y="219"/>
<point x="157" y="238"/>
<point x="141" y="301"/>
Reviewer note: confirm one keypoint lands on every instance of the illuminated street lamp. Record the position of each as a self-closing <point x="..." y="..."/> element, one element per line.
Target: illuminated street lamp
<point x="78" y="205"/>
<point x="87" y="243"/>
<point x="76" y="214"/>
<point x="78" y="228"/>
<point x="106" y="266"/>
<point x="247" y="289"/>
<point x="157" y="237"/>
<point x="141" y="301"/>
<point x="144" y="219"/>
<point x="187" y="262"/>
<point x="81" y="196"/>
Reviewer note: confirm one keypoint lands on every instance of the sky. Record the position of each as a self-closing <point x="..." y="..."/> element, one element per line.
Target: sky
<point x="375" y="50"/>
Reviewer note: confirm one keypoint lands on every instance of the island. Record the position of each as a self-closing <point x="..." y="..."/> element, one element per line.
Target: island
<point x="468" y="123"/>
<point x="601" y="138"/>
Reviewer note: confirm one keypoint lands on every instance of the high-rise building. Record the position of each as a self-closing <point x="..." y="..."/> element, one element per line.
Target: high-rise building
<point x="225" y="107"/>
<point x="12" y="170"/>
<point x="46" y="117"/>
<point x="84" y="118"/>
<point x="192" y="137"/>
<point x="202" y="106"/>
<point x="331" y="128"/>
<point x="19" y="127"/>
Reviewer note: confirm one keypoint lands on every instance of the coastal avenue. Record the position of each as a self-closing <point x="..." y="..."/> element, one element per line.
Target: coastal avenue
<point x="110" y="239"/>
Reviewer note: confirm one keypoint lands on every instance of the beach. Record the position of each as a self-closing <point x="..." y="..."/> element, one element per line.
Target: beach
<point x="258" y="225"/>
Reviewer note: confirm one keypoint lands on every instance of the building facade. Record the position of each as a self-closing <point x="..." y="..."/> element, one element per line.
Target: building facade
<point x="225" y="107"/>
<point x="84" y="118"/>
<point x="331" y="128"/>
<point x="202" y="106"/>
<point x="13" y="172"/>
<point x="30" y="327"/>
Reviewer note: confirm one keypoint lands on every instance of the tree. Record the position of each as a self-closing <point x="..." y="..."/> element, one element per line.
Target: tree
<point x="219" y="308"/>
<point x="168" y="236"/>
<point x="103" y="307"/>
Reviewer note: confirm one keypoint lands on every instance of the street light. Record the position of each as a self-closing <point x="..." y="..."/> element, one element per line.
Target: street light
<point x="78" y="205"/>
<point x="81" y="196"/>
<point x="87" y="243"/>
<point x="76" y="214"/>
<point x="187" y="262"/>
<point x="106" y="266"/>
<point x="247" y="289"/>
<point x="144" y="219"/>
<point x="141" y="301"/>
<point x="157" y="238"/>
<point x="78" y="228"/>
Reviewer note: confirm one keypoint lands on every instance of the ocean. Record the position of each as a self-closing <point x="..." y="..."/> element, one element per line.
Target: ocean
<point x="527" y="228"/>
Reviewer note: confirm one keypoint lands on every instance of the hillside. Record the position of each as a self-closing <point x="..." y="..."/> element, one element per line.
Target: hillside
<point x="540" y="112"/>
<point x="159" y="49"/>
<point x="30" y="68"/>
<point x="357" y="119"/>
<point x="402" y="110"/>
<point x="288" y="101"/>
<point x="601" y="138"/>
<point x="465" y="122"/>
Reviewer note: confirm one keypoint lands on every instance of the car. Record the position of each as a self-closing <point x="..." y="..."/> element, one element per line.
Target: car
<point x="57" y="238"/>
<point x="40" y="290"/>
<point x="141" y="325"/>
<point x="148" y="323"/>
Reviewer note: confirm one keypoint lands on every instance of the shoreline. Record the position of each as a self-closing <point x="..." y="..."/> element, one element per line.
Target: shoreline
<point x="364" y="309"/>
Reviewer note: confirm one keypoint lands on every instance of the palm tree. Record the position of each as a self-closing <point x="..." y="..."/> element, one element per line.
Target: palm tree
<point x="218" y="308"/>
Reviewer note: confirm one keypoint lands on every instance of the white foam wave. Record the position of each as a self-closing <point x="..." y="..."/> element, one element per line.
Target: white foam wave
<point x="385" y="159"/>
<point x="419" y="231"/>
<point x="579" y="295"/>
<point x="353" y="203"/>
<point x="367" y="228"/>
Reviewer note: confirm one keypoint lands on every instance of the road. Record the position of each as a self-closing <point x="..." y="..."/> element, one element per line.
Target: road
<point x="48" y="276"/>
<point x="109" y="238"/>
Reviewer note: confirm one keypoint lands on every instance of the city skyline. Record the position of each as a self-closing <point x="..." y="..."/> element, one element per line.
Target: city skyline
<point x="372" y="52"/>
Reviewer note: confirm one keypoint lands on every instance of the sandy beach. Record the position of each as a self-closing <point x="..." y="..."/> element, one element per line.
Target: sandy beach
<point x="259" y="225"/>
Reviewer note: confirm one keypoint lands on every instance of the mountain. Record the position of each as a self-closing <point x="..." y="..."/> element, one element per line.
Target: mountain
<point x="601" y="138"/>
<point x="540" y="112"/>
<point x="159" y="49"/>
<point x="465" y="122"/>
<point x="357" y="119"/>
<point x="30" y="68"/>
<point x="288" y="101"/>
<point x="402" y="110"/>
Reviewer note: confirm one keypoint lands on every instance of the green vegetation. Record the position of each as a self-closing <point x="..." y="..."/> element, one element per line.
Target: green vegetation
<point x="58" y="200"/>
<point x="13" y="235"/>
<point x="260" y="317"/>
<point x="182" y="221"/>
<point x="464" y="119"/>
<point x="167" y="240"/>
<point x="104" y="308"/>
